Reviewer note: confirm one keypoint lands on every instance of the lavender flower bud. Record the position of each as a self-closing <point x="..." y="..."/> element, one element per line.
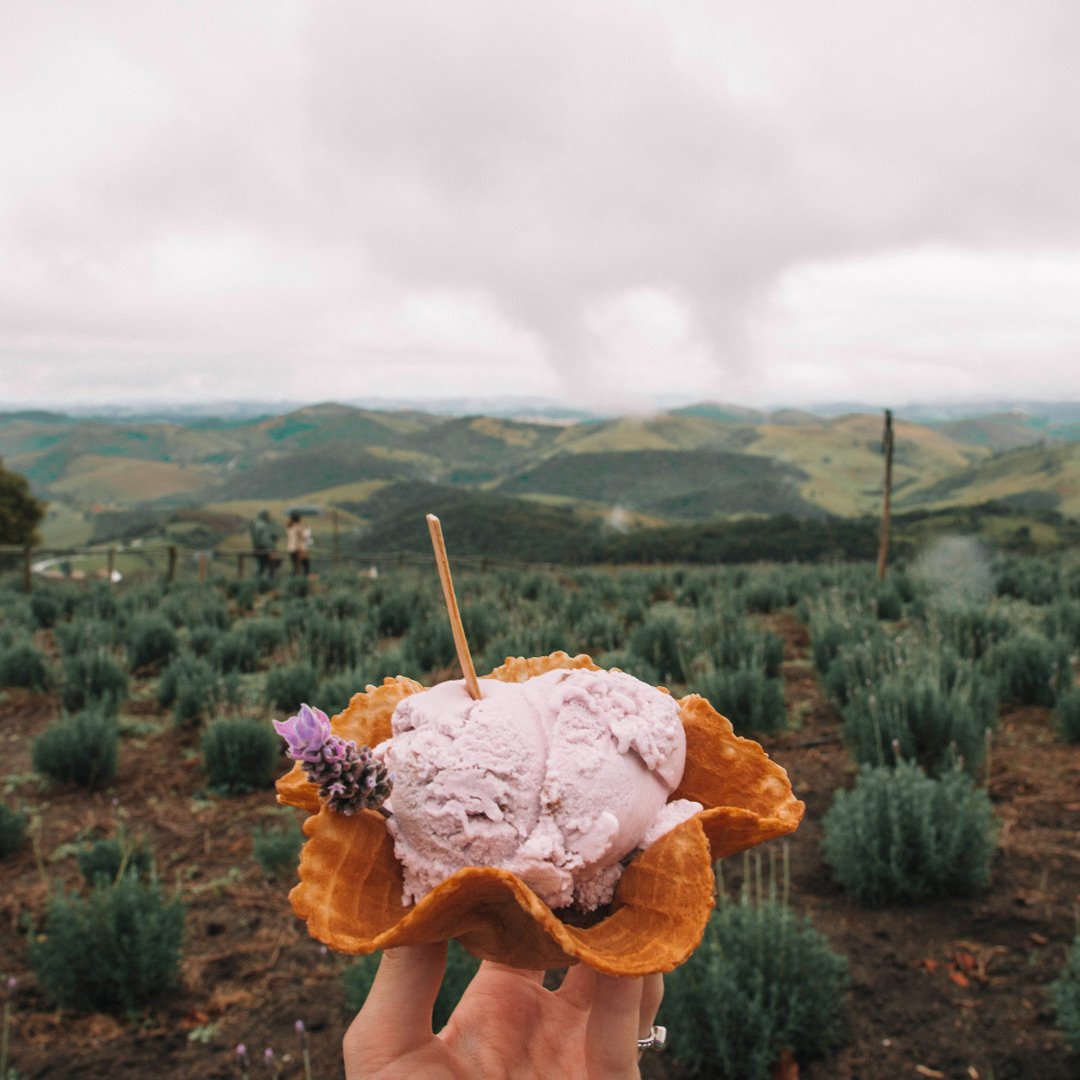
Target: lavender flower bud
<point x="305" y="733"/>
<point x="348" y="778"/>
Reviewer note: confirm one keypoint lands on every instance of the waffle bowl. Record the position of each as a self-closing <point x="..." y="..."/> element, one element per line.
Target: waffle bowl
<point x="350" y="888"/>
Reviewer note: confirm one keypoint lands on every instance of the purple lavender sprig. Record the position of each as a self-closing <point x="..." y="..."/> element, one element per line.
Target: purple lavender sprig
<point x="349" y="778"/>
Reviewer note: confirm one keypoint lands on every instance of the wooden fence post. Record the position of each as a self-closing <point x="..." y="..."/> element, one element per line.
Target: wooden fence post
<point x="239" y="566"/>
<point x="202" y="567"/>
<point x="887" y="446"/>
<point x="28" y="580"/>
<point x="171" y="573"/>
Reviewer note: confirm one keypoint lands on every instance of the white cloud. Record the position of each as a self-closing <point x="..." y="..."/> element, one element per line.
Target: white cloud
<point x="929" y="321"/>
<point x="702" y="197"/>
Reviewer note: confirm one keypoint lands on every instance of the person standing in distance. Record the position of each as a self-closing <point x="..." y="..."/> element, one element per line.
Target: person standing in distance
<point x="296" y="542"/>
<point x="264" y="537"/>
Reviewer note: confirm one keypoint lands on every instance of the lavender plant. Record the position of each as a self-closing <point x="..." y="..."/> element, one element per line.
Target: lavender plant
<point x="12" y="835"/>
<point x="1066" y="991"/>
<point x="238" y="755"/>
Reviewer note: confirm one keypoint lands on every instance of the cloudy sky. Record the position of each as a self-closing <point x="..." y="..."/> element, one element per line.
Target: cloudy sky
<point x="611" y="202"/>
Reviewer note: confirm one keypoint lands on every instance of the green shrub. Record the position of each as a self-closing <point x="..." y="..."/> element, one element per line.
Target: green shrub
<point x="80" y="749"/>
<point x="264" y="635"/>
<point x="94" y="678"/>
<point x="909" y="714"/>
<point x="431" y="643"/>
<point x="747" y="697"/>
<point x="343" y="603"/>
<point x="1031" y="668"/>
<point x="399" y="660"/>
<point x="82" y="634"/>
<point x="239" y="755"/>
<point x="597" y="631"/>
<point x="900" y="836"/>
<point x="12" y="830"/>
<point x="1035" y="580"/>
<point x="632" y="664"/>
<point x="295" y="587"/>
<point x="335" y="693"/>
<point x="1063" y="620"/>
<point x="698" y="589"/>
<point x="193" y="687"/>
<point x="482" y="621"/>
<point x="972" y="629"/>
<point x="658" y="642"/>
<point x="289" y="687"/>
<point x="23" y="665"/>
<point x="398" y="609"/>
<point x="856" y="668"/>
<point x="1066" y="991"/>
<point x="105" y="858"/>
<point x="460" y="968"/>
<point x="886" y="601"/>
<point x="765" y="595"/>
<point x="295" y="617"/>
<point x="1067" y="710"/>
<point x="762" y="980"/>
<point x="151" y="643"/>
<point x="277" y="848"/>
<point x="235" y="651"/>
<point x="45" y="608"/>
<point x="183" y="670"/>
<point x="734" y="644"/>
<point x="243" y="594"/>
<point x="99" y="602"/>
<point x="196" y="608"/>
<point x="331" y="646"/>
<point x="829" y="634"/>
<point x="114" y="949"/>
<point x="203" y="640"/>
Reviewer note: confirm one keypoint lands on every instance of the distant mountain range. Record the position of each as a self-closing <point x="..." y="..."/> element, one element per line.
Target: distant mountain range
<point x="531" y="408"/>
<point x="208" y="475"/>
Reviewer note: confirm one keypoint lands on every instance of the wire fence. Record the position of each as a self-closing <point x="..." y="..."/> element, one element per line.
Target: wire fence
<point x="140" y="562"/>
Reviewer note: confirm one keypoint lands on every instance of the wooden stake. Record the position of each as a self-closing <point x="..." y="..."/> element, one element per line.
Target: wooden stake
<point x="458" y="630"/>
<point x="887" y="445"/>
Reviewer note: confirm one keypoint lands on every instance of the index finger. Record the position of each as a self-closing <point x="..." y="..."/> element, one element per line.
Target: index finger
<point x="396" y="1017"/>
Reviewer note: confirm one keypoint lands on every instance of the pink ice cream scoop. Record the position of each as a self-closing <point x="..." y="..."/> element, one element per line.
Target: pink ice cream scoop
<point x="557" y="779"/>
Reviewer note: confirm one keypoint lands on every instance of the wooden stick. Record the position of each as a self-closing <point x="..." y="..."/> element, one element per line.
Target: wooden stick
<point x="456" y="627"/>
<point x="887" y="446"/>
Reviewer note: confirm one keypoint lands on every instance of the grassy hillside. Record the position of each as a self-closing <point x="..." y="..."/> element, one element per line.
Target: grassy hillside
<point x="1039" y="477"/>
<point x="303" y="472"/>
<point x="843" y="462"/>
<point x="1007" y="431"/>
<point x="670" y="483"/>
<point x="702" y="464"/>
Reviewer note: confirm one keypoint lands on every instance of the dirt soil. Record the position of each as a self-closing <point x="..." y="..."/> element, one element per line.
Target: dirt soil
<point x="954" y="989"/>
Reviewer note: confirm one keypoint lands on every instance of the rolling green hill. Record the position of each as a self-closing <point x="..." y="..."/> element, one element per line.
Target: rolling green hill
<point x="702" y="464"/>
<point x="671" y="483"/>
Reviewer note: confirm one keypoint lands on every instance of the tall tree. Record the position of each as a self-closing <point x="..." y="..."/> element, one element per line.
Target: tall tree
<point x="20" y="512"/>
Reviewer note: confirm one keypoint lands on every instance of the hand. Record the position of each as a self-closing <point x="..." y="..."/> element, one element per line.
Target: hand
<point x="506" y="1024"/>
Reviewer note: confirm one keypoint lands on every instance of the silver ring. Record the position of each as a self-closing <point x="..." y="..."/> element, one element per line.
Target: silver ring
<point x="655" y="1041"/>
